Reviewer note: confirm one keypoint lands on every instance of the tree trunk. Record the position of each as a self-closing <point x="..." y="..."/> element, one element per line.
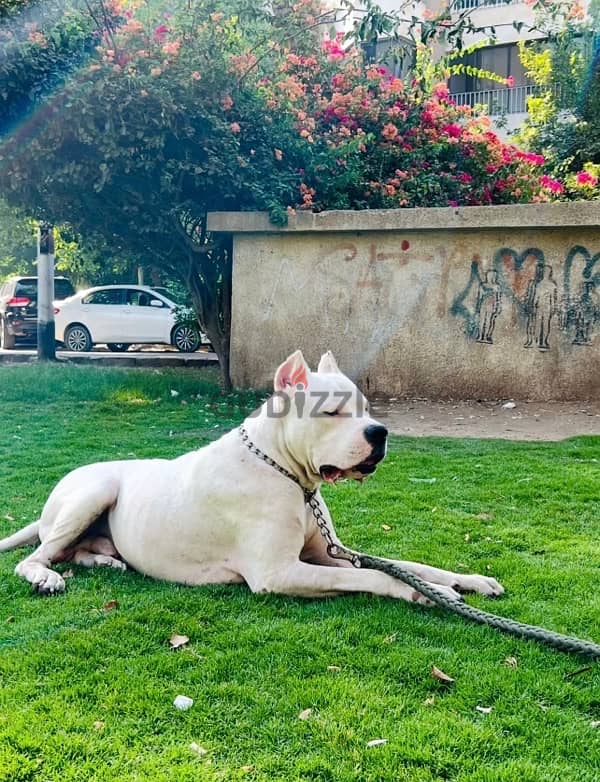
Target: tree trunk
<point x="209" y="282"/>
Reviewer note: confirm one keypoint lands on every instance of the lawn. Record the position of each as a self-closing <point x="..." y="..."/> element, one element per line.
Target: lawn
<point x="87" y="684"/>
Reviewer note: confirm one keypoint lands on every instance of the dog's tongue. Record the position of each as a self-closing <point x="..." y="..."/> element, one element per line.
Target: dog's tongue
<point x="330" y="473"/>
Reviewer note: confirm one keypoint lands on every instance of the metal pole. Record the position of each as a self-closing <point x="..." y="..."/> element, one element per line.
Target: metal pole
<point x="46" y="345"/>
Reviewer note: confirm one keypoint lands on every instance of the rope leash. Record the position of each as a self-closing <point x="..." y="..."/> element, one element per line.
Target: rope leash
<point x="523" y="631"/>
<point x="564" y="643"/>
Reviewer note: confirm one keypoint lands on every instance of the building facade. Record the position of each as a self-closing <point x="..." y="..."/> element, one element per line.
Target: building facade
<point x="512" y="21"/>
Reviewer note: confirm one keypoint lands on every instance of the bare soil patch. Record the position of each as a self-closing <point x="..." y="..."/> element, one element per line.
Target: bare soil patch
<point x="524" y="421"/>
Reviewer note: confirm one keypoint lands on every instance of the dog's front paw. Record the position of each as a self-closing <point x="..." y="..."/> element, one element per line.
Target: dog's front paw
<point x="483" y="585"/>
<point x="445" y="591"/>
<point x="49" y="583"/>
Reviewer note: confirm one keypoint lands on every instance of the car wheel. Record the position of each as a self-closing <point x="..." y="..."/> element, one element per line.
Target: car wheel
<point x="7" y="340"/>
<point x="78" y="339"/>
<point x="186" y="338"/>
<point x="118" y="347"/>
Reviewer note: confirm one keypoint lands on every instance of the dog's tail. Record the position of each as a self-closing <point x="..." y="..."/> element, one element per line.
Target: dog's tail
<point x="24" y="537"/>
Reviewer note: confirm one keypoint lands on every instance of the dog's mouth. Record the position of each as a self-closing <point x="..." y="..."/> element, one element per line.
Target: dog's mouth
<point x="331" y="474"/>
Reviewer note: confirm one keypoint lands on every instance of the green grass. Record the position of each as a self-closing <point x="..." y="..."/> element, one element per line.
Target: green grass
<point x="86" y="693"/>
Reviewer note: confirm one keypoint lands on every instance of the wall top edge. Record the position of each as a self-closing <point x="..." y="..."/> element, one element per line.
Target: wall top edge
<point x="584" y="214"/>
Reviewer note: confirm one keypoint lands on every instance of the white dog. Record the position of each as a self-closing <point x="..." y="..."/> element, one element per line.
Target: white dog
<point x="237" y="510"/>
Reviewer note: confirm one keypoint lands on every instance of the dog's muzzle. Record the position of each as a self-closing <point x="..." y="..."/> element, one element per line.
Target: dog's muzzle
<point x="376" y="436"/>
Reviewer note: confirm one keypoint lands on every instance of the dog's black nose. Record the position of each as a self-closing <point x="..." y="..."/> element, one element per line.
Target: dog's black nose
<point x="376" y="434"/>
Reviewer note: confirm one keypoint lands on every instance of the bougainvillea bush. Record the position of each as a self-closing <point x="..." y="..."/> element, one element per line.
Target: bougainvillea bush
<point x="369" y="140"/>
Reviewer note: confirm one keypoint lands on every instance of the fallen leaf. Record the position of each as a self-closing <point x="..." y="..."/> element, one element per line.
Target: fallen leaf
<point x="9" y="619"/>
<point x="176" y="641"/>
<point x="467" y="538"/>
<point x="174" y="393"/>
<point x="198" y="749"/>
<point x="247" y="769"/>
<point x="304" y="715"/>
<point x="421" y="480"/>
<point x="111" y="605"/>
<point x="334" y="668"/>
<point x="484" y="516"/>
<point x="595" y="724"/>
<point x="429" y="701"/>
<point x="484" y="709"/>
<point x="508" y="406"/>
<point x="68" y="574"/>
<point x="376" y="742"/>
<point x="441" y="676"/>
<point x="8" y="517"/>
<point x="389" y="639"/>
<point x="386" y="527"/>
<point x="511" y="662"/>
<point x="98" y="725"/>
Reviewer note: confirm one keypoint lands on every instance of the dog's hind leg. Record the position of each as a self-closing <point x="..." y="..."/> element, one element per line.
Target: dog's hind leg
<point x="98" y="552"/>
<point x="72" y="516"/>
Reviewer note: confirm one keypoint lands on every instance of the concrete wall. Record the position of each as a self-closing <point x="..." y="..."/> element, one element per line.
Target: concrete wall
<point x="478" y="302"/>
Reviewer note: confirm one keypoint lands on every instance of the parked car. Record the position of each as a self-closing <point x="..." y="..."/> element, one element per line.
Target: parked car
<point x="120" y="316"/>
<point x="18" y="308"/>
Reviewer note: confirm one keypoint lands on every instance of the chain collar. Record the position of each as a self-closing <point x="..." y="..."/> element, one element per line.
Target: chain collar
<point x="308" y="493"/>
<point x="310" y="498"/>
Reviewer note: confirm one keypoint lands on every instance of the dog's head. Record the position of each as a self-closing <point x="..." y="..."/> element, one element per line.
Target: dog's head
<point x="325" y="421"/>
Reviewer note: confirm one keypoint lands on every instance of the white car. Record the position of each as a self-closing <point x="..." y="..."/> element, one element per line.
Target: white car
<point x="120" y="316"/>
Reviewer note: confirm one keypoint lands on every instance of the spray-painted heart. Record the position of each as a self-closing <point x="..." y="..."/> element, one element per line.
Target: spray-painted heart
<point x="517" y="270"/>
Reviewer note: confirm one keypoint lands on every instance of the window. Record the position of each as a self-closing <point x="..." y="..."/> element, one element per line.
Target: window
<point x="139" y="298"/>
<point x="501" y="60"/>
<point x="114" y="296"/>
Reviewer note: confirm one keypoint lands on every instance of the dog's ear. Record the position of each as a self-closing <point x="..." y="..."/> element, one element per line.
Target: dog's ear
<point x="292" y="372"/>
<point x="328" y="364"/>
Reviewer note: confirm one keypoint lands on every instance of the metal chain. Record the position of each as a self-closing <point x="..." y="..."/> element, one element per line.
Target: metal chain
<point x="556" y="640"/>
<point x="310" y="498"/>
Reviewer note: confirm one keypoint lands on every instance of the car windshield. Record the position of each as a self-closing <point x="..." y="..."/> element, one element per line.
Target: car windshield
<point x="28" y="288"/>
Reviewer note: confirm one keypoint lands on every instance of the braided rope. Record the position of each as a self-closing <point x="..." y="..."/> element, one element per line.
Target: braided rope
<point x="524" y="631"/>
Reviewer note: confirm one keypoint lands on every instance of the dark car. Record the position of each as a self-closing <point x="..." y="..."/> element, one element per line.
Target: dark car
<point x="18" y="308"/>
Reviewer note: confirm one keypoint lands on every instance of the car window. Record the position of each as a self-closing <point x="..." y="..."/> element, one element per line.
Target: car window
<point x="139" y="298"/>
<point x="62" y="289"/>
<point x="110" y="296"/>
<point x="27" y="289"/>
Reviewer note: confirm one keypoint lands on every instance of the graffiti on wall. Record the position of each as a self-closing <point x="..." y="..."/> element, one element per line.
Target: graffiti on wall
<point x="544" y="308"/>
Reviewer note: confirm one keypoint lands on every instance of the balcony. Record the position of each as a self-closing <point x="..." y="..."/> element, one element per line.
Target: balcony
<point x="509" y="100"/>
<point x="467" y="5"/>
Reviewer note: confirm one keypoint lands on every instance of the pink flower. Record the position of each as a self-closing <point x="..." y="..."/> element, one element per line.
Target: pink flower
<point x="235" y="127"/>
<point x="172" y="48"/>
<point x="452" y="130"/>
<point x="390" y="131"/>
<point x="195" y="76"/>
<point x="278" y="154"/>
<point x="160" y="33"/>
<point x="551" y="184"/>
<point x="226" y="103"/>
<point x="510" y="81"/>
<point x="532" y="157"/>
<point x="464" y="177"/>
<point x="585" y="178"/>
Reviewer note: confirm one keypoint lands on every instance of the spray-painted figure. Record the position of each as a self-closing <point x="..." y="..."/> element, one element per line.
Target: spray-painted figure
<point x="488" y="306"/>
<point x="587" y="312"/>
<point x="540" y="305"/>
